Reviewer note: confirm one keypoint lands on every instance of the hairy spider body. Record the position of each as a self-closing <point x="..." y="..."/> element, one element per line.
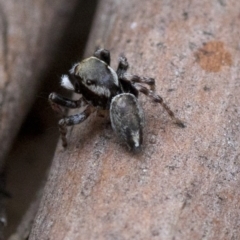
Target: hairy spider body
<point x="103" y="88"/>
<point x="95" y="80"/>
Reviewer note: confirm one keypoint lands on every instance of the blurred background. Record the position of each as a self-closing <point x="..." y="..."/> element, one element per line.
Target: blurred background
<point x="26" y="165"/>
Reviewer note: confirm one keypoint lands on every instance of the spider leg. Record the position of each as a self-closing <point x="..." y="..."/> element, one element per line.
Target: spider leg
<point x="122" y="66"/>
<point x="57" y="102"/>
<point x="140" y="79"/>
<point x="122" y="75"/>
<point x="126" y="85"/>
<point x="72" y="120"/>
<point x="103" y="55"/>
<point x="156" y="98"/>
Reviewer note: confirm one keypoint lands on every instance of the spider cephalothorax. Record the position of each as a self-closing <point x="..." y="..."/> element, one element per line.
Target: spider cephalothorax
<point x="102" y="88"/>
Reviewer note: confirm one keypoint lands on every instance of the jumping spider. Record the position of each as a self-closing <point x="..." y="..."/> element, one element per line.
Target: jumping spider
<point x="102" y="88"/>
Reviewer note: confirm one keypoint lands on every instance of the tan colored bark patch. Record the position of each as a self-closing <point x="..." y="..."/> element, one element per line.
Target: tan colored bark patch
<point x="212" y="56"/>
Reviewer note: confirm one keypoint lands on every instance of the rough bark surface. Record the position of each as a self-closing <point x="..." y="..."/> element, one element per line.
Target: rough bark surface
<point x="29" y="33"/>
<point x="185" y="183"/>
<point x="64" y="33"/>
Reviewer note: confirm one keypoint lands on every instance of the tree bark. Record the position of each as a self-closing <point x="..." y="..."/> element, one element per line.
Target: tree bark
<point x="25" y="53"/>
<point x="184" y="184"/>
<point x="30" y="31"/>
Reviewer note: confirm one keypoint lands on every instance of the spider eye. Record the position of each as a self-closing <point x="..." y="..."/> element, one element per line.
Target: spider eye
<point x="90" y="82"/>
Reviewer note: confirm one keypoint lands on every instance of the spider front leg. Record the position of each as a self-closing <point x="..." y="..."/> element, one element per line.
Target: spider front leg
<point x="57" y="102"/>
<point x="156" y="98"/>
<point x="72" y="120"/>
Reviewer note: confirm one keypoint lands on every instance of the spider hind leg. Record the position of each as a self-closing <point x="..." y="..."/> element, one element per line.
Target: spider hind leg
<point x="156" y="98"/>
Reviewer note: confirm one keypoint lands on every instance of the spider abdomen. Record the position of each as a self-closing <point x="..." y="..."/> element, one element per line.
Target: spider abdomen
<point x="127" y="119"/>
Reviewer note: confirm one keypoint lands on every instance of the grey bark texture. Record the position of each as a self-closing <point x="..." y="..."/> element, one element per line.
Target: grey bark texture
<point x="185" y="182"/>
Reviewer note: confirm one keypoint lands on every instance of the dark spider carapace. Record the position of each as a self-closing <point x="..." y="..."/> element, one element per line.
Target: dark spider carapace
<point x="102" y="88"/>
